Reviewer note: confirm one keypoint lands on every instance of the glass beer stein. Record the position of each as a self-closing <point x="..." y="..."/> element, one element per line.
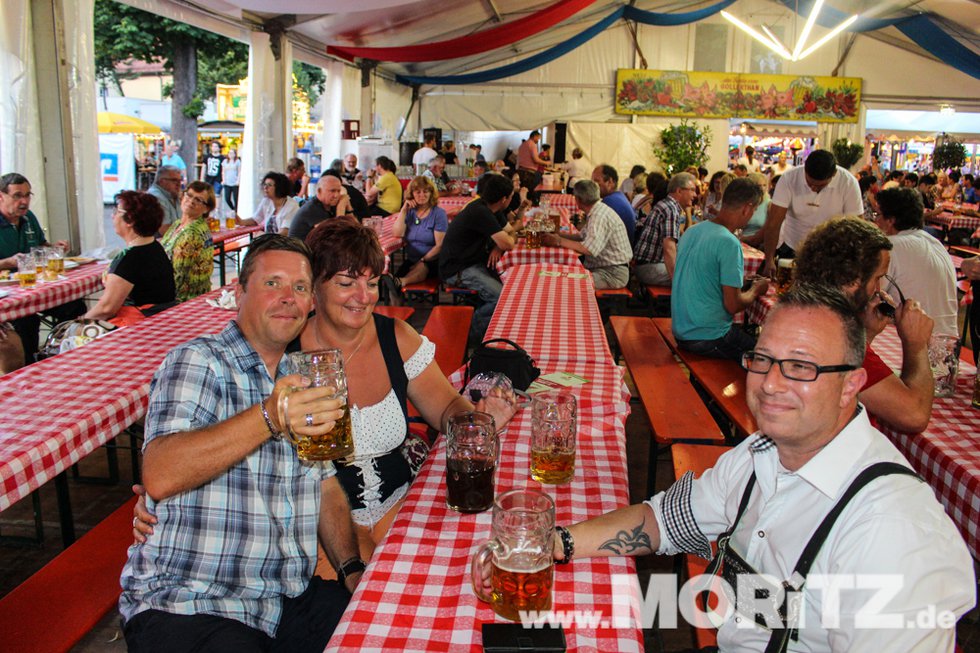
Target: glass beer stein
<point x="471" y="459"/>
<point x="784" y="275"/>
<point x="324" y="368"/>
<point x="553" y="428"/>
<point x="520" y="554"/>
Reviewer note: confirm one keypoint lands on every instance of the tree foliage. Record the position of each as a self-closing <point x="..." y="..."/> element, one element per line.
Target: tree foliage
<point x="683" y="145"/>
<point x="949" y="154"/>
<point x="846" y="152"/>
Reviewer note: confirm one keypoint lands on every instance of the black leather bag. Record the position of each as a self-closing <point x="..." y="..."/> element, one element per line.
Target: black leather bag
<point x="515" y="363"/>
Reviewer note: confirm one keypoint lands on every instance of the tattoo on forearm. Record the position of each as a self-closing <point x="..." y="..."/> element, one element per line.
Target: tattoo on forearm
<point x="629" y="543"/>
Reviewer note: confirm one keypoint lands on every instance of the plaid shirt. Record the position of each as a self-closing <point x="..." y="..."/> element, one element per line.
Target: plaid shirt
<point x="605" y="236"/>
<point x="237" y="545"/>
<point x="663" y="221"/>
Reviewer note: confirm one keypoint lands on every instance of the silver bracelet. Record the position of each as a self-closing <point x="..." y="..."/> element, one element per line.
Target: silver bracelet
<point x="268" y="422"/>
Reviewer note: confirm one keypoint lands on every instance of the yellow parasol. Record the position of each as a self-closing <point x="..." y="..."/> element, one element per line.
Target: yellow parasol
<point x="117" y="123"/>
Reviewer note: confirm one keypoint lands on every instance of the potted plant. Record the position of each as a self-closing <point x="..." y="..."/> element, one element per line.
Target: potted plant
<point x="683" y="145"/>
<point x="949" y="153"/>
<point x="846" y="152"/>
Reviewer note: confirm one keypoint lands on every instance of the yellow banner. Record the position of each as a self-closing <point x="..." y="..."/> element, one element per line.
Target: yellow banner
<point x="736" y="95"/>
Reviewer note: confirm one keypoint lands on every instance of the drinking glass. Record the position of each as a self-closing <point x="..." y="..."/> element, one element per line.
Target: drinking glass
<point x="520" y="554"/>
<point x="784" y="275"/>
<point x="553" y="428"/>
<point x="26" y="270"/>
<point x="471" y="460"/>
<point x="944" y="359"/>
<point x="40" y="255"/>
<point x="324" y="369"/>
<point x="56" y="261"/>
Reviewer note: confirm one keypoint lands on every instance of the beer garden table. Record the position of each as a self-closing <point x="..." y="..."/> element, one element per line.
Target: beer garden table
<point x="220" y="238"/>
<point x="947" y="453"/>
<point x="416" y="594"/>
<point x="77" y="282"/>
<point x="59" y="410"/>
<point x="521" y="255"/>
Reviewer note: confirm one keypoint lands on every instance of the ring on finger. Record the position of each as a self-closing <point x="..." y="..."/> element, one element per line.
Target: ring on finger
<point x="309" y="419"/>
<point x="135" y="519"/>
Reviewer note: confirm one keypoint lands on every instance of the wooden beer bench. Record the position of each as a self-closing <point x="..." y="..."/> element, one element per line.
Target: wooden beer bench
<point x="675" y="411"/>
<point x="723" y="380"/>
<point x="53" y="609"/>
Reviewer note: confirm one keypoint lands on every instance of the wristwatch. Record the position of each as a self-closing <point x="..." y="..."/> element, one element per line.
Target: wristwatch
<point x="350" y="566"/>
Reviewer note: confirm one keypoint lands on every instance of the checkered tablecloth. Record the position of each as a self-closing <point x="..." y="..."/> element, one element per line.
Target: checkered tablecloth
<point x="78" y="282"/>
<point x="521" y="255"/>
<point x="59" y="410"/>
<point x="758" y="310"/>
<point x="751" y="259"/>
<point x="552" y="317"/>
<point x="230" y="234"/>
<point x="453" y="205"/>
<point x="416" y="594"/>
<point x="947" y="453"/>
<point x="951" y="220"/>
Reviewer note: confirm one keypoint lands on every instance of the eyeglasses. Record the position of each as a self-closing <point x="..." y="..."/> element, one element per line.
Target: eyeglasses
<point x="792" y="369"/>
<point x="196" y="200"/>
<point x="884" y="308"/>
<point x="20" y="196"/>
<point x="268" y="184"/>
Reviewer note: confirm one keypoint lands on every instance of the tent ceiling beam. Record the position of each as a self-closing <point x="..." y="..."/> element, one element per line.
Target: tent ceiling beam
<point x="492" y="8"/>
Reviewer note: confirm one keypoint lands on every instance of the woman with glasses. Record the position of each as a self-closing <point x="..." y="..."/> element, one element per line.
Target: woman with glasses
<point x="140" y="279"/>
<point x="277" y="209"/>
<point x="422" y="223"/>
<point x="188" y="242"/>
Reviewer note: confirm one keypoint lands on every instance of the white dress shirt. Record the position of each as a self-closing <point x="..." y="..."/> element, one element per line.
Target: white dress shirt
<point x="806" y="209"/>
<point x="894" y="526"/>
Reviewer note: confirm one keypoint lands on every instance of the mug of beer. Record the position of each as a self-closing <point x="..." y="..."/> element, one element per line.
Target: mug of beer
<point x="324" y="369"/>
<point x="520" y="554"/>
<point x="471" y="459"/>
<point x="944" y="359"/>
<point x="56" y="262"/>
<point x="784" y="275"/>
<point x="553" y="427"/>
<point x="26" y="270"/>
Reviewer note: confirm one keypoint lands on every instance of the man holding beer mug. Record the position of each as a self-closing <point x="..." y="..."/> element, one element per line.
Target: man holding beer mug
<point x="230" y="560"/>
<point x="891" y="552"/>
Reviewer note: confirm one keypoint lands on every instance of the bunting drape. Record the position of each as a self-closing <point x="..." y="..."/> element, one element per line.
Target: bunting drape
<point x="464" y="46"/>
<point x="546" y="56"/>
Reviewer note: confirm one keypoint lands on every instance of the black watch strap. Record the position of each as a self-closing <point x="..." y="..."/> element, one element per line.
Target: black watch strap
<point x="350" y="566"/>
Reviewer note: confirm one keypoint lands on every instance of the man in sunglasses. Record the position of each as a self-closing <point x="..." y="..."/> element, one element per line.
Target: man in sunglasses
<point x="853" y="255"/>
<point x="765" y="502"/>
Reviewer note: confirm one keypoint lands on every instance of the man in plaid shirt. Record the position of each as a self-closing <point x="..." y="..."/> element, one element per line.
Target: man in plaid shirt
<point x="229" y="564"/>
<point x="657" y="232"/>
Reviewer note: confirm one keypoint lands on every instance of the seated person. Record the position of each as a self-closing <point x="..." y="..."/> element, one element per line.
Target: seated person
<point x="19" y="232"/>
<point x="519" y="203"/>
<point x="658" y="232"/>
<point x="276" y="210"/>
<point x="228" y="562"/>
<point x="853" y="255"/>
<point x="298" y="179"/>
<point x="752" y="233"/>
<point x="331" y="201"/>
<point x="350" y="174"/>
<point x="436" y="172"/>
<point x="188" y="242"/>
<point x="383" y="191"/>
<point x="707" y="289"/>
<point x="919" y="264"/>
<point x="767" y="497"/>
<point x="603" y="241"/>
<point x="422" y="223"/>
<point x="475" y="240"/>
<point x="140" y="279"/>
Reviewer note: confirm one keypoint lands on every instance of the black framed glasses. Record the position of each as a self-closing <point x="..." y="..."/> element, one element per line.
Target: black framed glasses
<point x="884" y="308"/>
<point x="791" y="368"/>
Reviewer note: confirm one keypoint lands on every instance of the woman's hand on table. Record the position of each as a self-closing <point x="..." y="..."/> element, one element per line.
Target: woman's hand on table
<point x="143" y="519"/>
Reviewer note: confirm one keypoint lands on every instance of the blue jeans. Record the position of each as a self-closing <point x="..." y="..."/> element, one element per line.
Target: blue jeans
<point x="488" y="287"/>
<point x="731" y="345"/>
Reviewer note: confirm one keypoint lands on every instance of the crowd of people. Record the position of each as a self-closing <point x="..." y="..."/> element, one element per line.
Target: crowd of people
<point x="230" y="522"/>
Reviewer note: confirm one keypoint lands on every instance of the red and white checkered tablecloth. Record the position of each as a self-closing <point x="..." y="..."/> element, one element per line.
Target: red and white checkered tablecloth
<point x="454" y="204"/>
<point x="78" y="282"/>
<point x="416" y="594"/>
<point x="947" y="453"/>
<point x="758" y="310"/>
<point x="751" y="259"/>
<point x="955" y="220"/>
<point x="552" y="317"/>
<point x="59" y="410"/>
<point x="521" y="255"/>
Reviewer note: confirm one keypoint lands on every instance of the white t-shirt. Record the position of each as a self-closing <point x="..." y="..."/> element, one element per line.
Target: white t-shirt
<point x="423" y="155"/>
<point x="753" y="166"/>
<point x="806" y="209"/>
<point x="577" y="169"/>
<point x="280" y="220"/>
<point x="923" y="270"/>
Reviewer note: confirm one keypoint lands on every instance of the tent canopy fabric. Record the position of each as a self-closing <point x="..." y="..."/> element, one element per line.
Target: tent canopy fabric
<point x="117" y="123"/>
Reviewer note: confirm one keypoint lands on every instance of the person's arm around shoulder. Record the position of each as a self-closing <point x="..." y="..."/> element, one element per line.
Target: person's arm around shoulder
<point x="905" y="401"/>
<point x="737" y="300"/>
<point x="116" y="291"/>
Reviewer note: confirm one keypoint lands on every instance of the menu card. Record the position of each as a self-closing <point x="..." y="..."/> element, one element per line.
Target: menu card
<point x="556" y="381"/>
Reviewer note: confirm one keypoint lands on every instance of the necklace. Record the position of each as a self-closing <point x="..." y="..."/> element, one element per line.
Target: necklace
<point x="319" y="342"/>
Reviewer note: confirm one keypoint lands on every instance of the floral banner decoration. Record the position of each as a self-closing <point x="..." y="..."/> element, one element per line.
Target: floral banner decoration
<point x="734" y="95"/>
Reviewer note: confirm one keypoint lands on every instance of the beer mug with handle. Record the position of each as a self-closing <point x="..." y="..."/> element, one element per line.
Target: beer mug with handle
<point x="324" y="368"/>
<point x="520" y="554"/>
<point x="553" y="428"/>
<point x="471" y="460"/>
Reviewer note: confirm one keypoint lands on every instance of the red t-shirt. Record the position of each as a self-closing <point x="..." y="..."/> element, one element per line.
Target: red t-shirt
<point x="876" y="368"/>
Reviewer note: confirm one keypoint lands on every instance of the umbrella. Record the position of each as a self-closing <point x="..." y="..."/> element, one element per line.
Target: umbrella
<point x="117" y="123"/>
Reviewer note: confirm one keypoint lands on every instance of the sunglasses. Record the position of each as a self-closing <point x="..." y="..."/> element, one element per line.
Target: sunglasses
<point x="884" y="308"/>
